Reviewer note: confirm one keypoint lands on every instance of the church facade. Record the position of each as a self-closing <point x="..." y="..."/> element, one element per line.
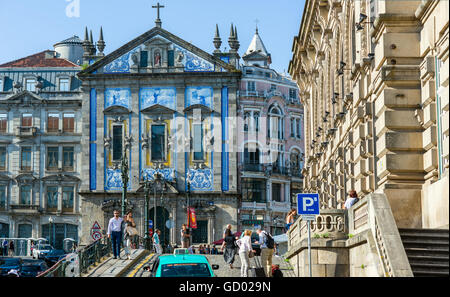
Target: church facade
<point x="166" y="106"/>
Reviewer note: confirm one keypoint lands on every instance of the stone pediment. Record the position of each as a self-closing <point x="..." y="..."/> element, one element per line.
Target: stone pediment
<point x="158" y="46"/>
<point x="61" y="177"/>
<point x="4" y="177"/>
<point x="24" y="98"/>
<point x="158" y="109"/>
<point x="203" y="108"/>
<point x="25" y="177"/>
<point x="116" y="110"/>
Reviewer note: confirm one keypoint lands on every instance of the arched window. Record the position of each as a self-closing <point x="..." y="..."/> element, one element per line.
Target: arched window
<point x="276" y="123"/>
<point x="256" y="120"/>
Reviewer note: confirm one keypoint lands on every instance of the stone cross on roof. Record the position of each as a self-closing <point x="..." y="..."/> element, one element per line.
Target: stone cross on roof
<point x="158" y="21"/>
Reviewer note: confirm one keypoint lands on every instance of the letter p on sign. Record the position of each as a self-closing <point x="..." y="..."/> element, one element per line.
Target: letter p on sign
<point x="308" y="204"/>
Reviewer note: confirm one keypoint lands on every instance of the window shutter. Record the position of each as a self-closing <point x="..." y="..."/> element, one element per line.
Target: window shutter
<point x="171" y="58"/>
<point x="144" y="59"/>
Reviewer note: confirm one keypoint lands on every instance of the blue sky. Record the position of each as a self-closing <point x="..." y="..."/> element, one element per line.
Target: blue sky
<point x="30" y="26"/>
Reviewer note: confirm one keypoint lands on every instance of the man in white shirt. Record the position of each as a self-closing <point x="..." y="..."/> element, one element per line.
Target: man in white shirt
<point x="115" y="233"/>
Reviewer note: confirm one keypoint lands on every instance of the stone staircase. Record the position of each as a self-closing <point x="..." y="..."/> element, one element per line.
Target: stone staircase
<point x="427" y="251"/>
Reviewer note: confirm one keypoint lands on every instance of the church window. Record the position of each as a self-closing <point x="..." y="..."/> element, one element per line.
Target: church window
<point x="144" y="59"/>
<point x="64" y="85"/>
<point x="198" y="142"/>
<point x="117" y="142"/>
<point x="158" y="143"/>
<point x="3" y="122"/>
<point x="171" y="58"/>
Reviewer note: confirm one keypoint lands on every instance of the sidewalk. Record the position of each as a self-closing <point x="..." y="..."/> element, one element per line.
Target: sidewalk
<point x="115" y="267"/>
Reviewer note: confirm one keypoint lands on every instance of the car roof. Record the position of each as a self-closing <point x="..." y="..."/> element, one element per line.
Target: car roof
<point x="174" y="259"/>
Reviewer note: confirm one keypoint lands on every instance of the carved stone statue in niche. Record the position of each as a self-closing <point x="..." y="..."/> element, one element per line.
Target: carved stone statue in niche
<point x="157" y="59"/>
<point x="179" y="59"/>
<point x="134" y="58"/>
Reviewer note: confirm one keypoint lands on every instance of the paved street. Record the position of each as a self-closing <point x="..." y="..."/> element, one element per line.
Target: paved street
<point x="136" y="270"/>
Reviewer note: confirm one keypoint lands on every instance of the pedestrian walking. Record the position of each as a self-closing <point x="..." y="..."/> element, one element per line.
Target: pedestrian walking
<point x="156" y="241"/>
<point x="129" y="227"/>
<point x="185" y="236"/>
<point x="5" y="247"/>
<point x="267" y="245"/>
<point x="11" y="248"/>
<point x="245" y="248"/>
<point x="290" y="218"/>
<point x="229" y="244"/>
<point x="351" y="199"/>
<point x="225" y="231"/>
<point x="115" y="233"/>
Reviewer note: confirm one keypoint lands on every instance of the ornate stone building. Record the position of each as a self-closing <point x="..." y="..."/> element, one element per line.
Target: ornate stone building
<point x="40" y="146"/>
<point x="166" y="103"/>
<point x="373" y="78"/>
<point x="270" y="141"/>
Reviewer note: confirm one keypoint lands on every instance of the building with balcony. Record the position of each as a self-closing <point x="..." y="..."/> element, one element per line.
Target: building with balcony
<point x="270" y="140"/>
<point x="40" y="146"/>
<point x="373" y="78"/>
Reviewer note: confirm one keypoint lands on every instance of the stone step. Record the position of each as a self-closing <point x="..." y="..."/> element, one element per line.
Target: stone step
<point x="415" y="251"/>
<point x="423" y="236"/>
<point x="427" y="257"/>
<point x="430" y="264"/>
<point x="424" y="231"/>
<point x="422" y="273"/>
<point x="425" y="242"/>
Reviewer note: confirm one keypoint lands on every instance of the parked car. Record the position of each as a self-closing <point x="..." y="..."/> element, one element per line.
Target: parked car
<point x="182" y="266"/>
<point x="40" y="250"/>
<point x="6" y="264"/>
<point x="31" y="268"/>
<point x="54" y="256"/>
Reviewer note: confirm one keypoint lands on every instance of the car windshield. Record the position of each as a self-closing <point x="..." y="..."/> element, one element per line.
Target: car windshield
<point x="44" y="247"/>
<point x="185" y="270"/>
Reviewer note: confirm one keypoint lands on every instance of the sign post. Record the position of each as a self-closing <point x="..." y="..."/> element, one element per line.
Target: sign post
<point x="308" y="208"/>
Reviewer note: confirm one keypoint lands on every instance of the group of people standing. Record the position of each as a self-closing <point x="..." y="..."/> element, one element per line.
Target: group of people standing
<point x="7" y="247"/>
<point x="243" y="246"/>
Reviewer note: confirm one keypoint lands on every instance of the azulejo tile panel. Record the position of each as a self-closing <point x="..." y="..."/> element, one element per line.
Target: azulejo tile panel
<point x="121" y="64"/>
<point x="200" y="179"/>
<point x="162" y="96"/>
<point x="168" y="173"/>
<point x="194" y="63"/>
<point x="114" y="180"/>
<point x="199" y="95"/>
<point x="117" y="97"/>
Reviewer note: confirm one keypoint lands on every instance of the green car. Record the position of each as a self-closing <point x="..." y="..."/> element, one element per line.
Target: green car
<point x="182" y="266"/>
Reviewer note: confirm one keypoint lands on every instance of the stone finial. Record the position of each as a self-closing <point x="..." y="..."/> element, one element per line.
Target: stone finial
<point x="237" y="44"/>
<point x="232" y="39"/>
<point x="101" y="43"/>
<point x="217" y="40"/>
<point x="92" y="45"/>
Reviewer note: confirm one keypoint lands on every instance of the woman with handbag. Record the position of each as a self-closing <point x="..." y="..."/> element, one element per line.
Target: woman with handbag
<point x="130" y="232"/>
<point x="245" y="251"/>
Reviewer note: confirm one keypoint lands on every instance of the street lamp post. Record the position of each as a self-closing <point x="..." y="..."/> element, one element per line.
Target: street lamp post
<point x="146" y="194"/>
<point x="124" y="170"/>
<point x="189" y="210"/>
<point x="50" y="233"/>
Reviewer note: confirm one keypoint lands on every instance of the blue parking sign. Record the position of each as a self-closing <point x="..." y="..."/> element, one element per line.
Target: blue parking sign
<point x="308" y="204"/>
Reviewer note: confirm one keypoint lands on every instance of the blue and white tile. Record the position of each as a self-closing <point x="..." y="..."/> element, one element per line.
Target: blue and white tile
<point x="200" y="179"/>
<point x="199" y="95"/>
<point x="162" y="96"/>
<point x="117" y="97"/>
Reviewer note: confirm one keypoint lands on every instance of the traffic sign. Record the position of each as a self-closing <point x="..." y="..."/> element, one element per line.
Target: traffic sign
<point x="150" y="223"/>
<point x="308" y="204"/>
<point x="308" y="217"/>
